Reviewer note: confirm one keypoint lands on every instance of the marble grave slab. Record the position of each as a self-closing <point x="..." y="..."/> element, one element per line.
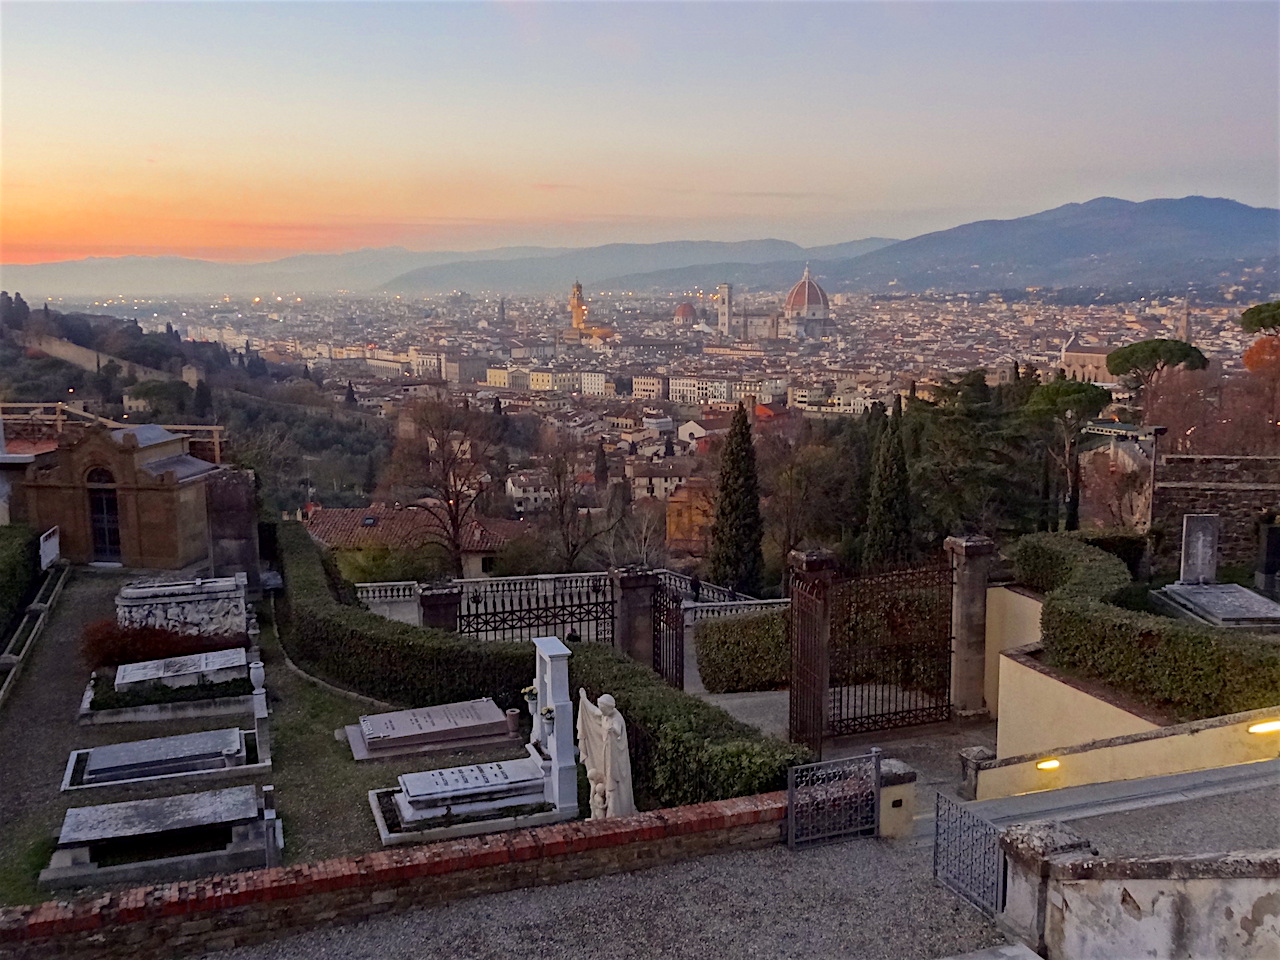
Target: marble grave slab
<point x="446" y="727"/>
<point x="1225" y="605"/>
<point x="185" y="753"/>
<point x="484" y="786"/>
<point x="213" y="667"/>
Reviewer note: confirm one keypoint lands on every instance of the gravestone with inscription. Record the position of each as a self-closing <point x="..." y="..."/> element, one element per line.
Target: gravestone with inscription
<point x="1199" y="548"/>
<point x="427" y="804"/>
<point x="213" y="607"/>
<point x="214" y="667"/>
<point x="451" y="726"/>
<point x="158" y="757"/>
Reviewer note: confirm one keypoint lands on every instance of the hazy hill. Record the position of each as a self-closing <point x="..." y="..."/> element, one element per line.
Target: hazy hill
<point x="590" y="265"/>
<point x="359" y="270"/>
<point x="1104" y="243"/>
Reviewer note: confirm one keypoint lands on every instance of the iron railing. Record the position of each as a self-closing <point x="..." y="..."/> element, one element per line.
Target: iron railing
<point x="833" y="800"/>
<point x="519" y="608"/>
<point x="808" y="629"/>
<point x="967" y="857"/>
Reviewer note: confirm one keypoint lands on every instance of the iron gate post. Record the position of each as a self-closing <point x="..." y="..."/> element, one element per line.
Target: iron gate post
<point x="970" y="563"/>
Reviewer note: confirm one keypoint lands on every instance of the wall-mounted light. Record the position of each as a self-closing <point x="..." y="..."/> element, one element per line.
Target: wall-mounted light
<point x="1266" y="726"/>
<point x="1047" y="765"/>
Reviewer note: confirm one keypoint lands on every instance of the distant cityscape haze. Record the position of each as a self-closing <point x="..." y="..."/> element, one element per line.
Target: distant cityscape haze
<point x="249" y="131"/>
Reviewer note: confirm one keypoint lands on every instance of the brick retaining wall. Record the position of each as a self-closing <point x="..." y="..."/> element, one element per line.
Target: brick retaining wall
<point x="221" y="912"/>
<point x="1238" y="489"/>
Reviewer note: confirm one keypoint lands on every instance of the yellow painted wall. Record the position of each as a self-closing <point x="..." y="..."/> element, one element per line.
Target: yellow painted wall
<point x="1178" y="749"/>
<point x="1041" y="714"/>
<point x="897" y="821"/>
<point x="1013" y="620"/>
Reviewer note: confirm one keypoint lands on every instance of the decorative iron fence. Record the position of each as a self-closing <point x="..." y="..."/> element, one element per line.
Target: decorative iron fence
<point x="668" y="636"/>
<point x="519" y="608"/>
<point x="833" y="800"/>
<point x="967" y="857"/>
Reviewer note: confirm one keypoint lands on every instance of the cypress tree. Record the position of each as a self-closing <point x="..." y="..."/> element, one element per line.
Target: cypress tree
<point x="736" y="560"/>
<point x="601" y="467"/>
<point x="203" y="400"/>
<point x="888" y="537"/>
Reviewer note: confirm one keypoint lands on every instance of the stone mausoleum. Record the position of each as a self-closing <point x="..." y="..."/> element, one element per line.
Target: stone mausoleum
<point x="136" y="496"/>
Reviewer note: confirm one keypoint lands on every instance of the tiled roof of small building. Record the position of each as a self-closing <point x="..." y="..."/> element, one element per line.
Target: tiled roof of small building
<point x="407" y="528"/>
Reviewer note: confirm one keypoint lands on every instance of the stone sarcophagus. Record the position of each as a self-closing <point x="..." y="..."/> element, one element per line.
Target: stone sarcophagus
<point x="215" y="607"/>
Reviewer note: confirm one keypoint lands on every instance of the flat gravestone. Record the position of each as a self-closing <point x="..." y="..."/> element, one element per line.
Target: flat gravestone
<point x="136" y="818"/>
<point x="476" y="789"/>
<point x="451" y="725"/>
<point x="1199" y="548"/>
<point x="142" y="758"/>
<point x="1226" y="605"/>
<point x="477" y="780"/>
<point x="215" y="666"/>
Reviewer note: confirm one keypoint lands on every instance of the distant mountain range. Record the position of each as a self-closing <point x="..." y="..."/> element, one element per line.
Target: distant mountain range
<point x="1102" y="243"/>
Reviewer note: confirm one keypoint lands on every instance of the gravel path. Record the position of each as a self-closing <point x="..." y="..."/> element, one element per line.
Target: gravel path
<point x="861" y="900"/>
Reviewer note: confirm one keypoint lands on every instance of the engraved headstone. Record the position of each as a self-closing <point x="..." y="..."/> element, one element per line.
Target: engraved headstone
<point x="447" y="726"/>
<point x="485" y="786"/>
<point x="1199" y="548"/>
<point x="213" y="667"/>
<point x="1226" y="605"/>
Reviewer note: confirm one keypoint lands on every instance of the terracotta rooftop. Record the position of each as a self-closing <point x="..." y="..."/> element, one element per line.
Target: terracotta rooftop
<point x="408" y="528"/>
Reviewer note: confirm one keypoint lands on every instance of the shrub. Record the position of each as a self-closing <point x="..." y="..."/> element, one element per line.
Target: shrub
<point x="1190" y="670"/>
<point x="1128" y="546"/>
<point x="106" y="697"/>
<point x="107" y="644"/>
<point x="683" y="749"/>
<point x="19" y="572"/>
<point x="746" y="652"/>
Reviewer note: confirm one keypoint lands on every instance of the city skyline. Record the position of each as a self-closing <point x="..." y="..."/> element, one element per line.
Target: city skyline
<point x="253" y="131"/>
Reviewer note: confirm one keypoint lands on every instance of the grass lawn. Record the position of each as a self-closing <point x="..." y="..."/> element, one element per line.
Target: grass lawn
<point x="322" y="794"/>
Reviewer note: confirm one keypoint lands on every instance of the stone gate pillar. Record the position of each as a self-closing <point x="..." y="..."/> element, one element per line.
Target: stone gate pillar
<point x="633" y="615"/>
<point x="439" y="607"/>
<point x="970" y="564"/>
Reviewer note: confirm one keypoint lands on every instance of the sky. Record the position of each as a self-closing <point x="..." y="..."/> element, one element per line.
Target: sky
<point x="247" y="131"/>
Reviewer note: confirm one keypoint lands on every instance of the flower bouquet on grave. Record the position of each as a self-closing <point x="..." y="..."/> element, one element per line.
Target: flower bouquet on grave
<point x="531" y="698"/>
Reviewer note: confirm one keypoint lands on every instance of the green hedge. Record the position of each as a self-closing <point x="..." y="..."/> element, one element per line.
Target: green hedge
<point x="744" y="652"/>
<point x="19" y="572"/>
<point x="683" y="749"/>
<point x="1190" y="670"/>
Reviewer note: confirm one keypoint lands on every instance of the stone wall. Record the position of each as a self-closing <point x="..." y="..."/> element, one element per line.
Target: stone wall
<point x="222" y="912"/>
<point x="1068" y="903"/>
<point x="87" y="359"/>
<point x="1238" y="489"/>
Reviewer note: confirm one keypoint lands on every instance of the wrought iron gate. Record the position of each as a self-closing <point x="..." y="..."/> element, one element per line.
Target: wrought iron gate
<point x="807" y="703"/>
<point x="967" y="857"/>
<point x="833" y="800"/>
<point x="870" y="653"/>
<point x="668" y="635"/>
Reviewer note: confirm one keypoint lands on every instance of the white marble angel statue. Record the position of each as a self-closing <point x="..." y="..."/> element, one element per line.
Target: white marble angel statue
<point x="602" y="741"/>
